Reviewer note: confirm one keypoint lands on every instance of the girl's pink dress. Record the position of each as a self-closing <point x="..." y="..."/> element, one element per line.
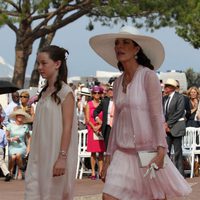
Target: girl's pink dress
<point x="139" y="125"/>
<point x="94" y="145"/>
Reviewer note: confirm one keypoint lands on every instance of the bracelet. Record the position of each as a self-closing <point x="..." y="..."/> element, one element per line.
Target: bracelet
<point x="63" y="154"/>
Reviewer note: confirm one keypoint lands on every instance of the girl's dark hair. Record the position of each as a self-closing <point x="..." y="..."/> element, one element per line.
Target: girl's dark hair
<point x="142" y="59"/>
<point x="56" y="53"/>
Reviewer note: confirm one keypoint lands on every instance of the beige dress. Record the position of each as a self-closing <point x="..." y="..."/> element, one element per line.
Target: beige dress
<point x="45" y="145"/>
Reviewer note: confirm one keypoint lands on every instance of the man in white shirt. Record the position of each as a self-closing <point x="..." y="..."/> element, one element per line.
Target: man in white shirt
<point x="15" y="102"/>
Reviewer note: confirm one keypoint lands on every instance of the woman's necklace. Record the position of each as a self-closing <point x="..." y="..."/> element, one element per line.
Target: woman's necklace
<point x="125" y="81"/>
<point x="127" y="78"/>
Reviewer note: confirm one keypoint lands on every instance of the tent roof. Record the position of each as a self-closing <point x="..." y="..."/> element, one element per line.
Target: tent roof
<point x="6" y="70"/>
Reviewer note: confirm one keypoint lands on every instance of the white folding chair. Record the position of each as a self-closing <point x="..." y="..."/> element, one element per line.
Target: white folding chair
<point x="195" y="149"/>
<point x="187" y="145"/>
<point x="82" y="153"/>
<point x="191" y="146"/>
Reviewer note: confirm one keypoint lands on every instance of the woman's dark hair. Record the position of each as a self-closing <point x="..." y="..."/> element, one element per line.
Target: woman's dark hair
<point x="141" y="59"/>
<point x="56" y="53"/>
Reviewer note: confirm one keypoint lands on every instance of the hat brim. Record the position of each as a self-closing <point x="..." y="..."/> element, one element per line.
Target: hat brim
<point x="86" y="94"/>
<point x="27" y="117"/>
<point x="169" y="84"/>
<point x="104" y="44"/>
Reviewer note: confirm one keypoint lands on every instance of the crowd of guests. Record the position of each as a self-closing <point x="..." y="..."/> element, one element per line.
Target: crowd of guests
<point x="95" y="111"/>
<point x="16" y="125"/>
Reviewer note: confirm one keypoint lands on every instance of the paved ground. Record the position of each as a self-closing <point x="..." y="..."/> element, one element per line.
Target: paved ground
<point x="85" y="189"/>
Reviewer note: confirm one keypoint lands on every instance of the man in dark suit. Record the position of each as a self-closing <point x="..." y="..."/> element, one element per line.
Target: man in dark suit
<point x="187" y="102"/>
<point x="174" y="110"/>
<point x="106" y="106"/>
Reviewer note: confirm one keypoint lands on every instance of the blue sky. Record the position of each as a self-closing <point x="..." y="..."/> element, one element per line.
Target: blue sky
<point x="82" y="60"/>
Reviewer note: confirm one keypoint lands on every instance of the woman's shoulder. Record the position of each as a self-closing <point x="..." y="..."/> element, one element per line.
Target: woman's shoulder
<point x="146" y="72"/>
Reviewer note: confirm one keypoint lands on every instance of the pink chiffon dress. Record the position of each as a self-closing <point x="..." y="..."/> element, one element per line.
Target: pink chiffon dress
<point x="94" y="145"/>
<point x="138" y="125"/>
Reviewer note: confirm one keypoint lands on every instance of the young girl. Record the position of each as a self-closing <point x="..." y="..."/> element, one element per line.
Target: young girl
<point x="53" y="155"/>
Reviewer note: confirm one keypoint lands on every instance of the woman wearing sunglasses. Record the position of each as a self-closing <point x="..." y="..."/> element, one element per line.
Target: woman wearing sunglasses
<point x="95" y="142"/>
<point x="24" y="104"/>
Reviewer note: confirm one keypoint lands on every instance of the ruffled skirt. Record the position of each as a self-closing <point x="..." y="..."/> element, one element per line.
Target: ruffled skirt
<point x="125" y="180"/>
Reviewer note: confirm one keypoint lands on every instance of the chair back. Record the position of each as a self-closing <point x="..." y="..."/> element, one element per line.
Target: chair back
<point x="189" y="138"/>
<point x="191" y="147"/>
<point x="197" y="131"/>
<point x="82" y="142"/>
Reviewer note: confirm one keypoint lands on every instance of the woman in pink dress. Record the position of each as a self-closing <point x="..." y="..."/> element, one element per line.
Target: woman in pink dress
<point x="138" y="121"/>
<point x="95" y="142"/>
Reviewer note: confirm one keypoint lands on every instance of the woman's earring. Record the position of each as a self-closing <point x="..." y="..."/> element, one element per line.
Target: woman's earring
<point x="136" y="57"/>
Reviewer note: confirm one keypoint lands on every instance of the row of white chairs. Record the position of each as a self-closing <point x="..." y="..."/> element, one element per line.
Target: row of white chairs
<point x="190" y="145"/>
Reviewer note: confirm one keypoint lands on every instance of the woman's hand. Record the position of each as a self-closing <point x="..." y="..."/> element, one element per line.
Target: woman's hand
<point x="105" y="167"/>
<point x="99" y="121"/>
<point x="59" y="166"/>
<point x="96" y="128"/>
<point x="159" y="159"/>
<point x="16" y="138"/>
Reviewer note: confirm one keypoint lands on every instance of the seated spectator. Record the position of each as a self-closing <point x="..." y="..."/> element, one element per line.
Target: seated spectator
<point x="26" y="105"/>
<point x="17" y="135"/>
<point x="3" y="143"/>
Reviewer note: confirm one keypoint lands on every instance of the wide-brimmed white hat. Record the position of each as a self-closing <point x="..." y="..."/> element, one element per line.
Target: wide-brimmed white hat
<point x="85" y="91"/>
<point x="104" y="44"/>
<point x="27" y="117"/>
<point x="171" y="82"/>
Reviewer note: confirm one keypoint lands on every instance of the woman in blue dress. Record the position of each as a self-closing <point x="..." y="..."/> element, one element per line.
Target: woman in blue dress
<point x="19" y="139"/>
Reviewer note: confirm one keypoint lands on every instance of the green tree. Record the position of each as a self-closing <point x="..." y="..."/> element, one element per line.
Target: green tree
<point x="40" y="19"/>
<point x="193" y="78"/>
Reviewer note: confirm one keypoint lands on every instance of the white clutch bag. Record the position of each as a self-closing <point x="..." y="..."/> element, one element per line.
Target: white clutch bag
<point x="145" y="157"/>
<point x="98" y="136"/>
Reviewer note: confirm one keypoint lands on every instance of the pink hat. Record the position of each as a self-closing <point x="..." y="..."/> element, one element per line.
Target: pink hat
<point x="97" y="88"/>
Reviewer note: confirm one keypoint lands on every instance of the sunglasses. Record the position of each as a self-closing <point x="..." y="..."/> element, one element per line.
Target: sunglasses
<point x="24" y="97"/>
<point x="96" y="92"/>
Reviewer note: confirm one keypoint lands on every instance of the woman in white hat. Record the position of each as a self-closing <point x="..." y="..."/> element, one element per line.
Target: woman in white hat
<point x="138" y="120"/>
<point x="18" y="137"/>
<point x="83" y="96"/>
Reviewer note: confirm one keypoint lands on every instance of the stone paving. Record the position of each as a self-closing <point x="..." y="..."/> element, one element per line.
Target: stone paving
<point x="85" y="189"/>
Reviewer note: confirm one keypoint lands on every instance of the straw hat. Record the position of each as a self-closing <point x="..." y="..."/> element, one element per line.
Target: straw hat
<point x="104" y="44"/>
<point x="27" y="117"/>
<point x="171" y="82"/>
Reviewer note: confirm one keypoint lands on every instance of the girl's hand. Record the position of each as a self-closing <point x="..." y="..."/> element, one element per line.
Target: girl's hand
<point x="59" y="166"/>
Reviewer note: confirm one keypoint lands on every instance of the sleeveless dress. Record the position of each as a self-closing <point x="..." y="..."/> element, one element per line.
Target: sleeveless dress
<point x="45" y="146"/>
<point x="138" y="125"/>
<point x="94" y="145"/>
